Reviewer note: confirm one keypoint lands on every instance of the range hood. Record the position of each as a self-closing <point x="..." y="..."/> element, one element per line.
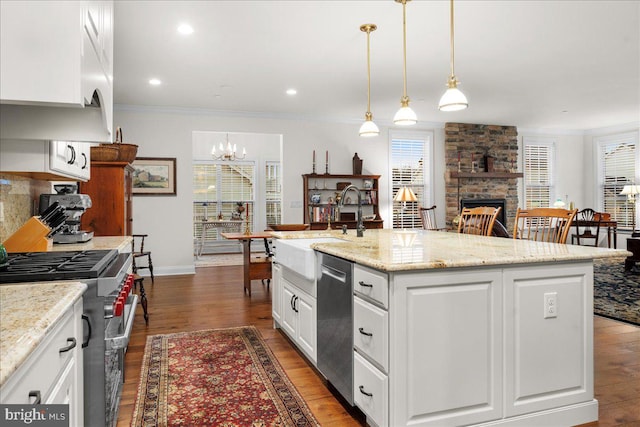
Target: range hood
<point x="66" y="123"/>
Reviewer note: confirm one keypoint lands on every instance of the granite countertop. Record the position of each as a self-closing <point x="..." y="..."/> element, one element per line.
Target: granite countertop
<point x="29" y="312"/>
<point x="121" y="243"/>
<point x="398" y="250"/>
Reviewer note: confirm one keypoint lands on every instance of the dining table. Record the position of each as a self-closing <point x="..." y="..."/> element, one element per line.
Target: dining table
<point x="254" y="268"/>
<point x="612" y="229"/>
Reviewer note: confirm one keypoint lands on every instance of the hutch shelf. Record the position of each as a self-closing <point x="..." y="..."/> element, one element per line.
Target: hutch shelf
<point x="321" y="195"/>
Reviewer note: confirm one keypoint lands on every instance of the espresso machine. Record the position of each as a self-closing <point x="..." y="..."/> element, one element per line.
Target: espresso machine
<point x="74" y="207"/>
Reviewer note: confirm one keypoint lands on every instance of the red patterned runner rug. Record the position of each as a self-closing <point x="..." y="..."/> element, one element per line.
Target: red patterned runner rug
<point x="222" y="377"/>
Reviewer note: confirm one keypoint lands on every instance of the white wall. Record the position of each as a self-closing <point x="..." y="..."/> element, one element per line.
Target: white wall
<point x="164" y="133"/>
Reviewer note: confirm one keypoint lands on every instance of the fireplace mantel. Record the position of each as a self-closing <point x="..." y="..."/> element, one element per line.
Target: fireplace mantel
<point x="487" y="175"/>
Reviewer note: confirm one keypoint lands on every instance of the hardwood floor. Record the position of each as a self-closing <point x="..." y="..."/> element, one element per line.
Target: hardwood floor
<point x="213" y="298"/>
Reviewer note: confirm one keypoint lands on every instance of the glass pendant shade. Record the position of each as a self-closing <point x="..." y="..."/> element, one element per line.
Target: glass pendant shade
<point x="369" y="128"/>
<point x="453" y="100"/>
<point x="405" y="116"/>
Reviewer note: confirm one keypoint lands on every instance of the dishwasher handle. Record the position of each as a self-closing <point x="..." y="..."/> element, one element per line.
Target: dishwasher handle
<point x="333" y="273"/>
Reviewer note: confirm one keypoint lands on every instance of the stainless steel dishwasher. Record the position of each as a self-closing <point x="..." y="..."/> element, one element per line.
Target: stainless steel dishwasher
<point x="335" y="323"/>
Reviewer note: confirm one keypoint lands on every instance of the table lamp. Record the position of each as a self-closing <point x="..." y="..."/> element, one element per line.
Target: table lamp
<point x="631" y="191"/>
<point x="404" y="195"/>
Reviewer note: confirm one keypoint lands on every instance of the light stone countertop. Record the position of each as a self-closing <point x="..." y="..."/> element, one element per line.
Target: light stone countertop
<point x="27" y="313"/>
<point x="121" y="243"/>
<point x="410" y="250"/>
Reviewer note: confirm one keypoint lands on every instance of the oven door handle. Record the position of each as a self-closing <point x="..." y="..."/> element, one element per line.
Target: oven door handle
<point x="121" y="341"/>
<point x="86" y="319"/>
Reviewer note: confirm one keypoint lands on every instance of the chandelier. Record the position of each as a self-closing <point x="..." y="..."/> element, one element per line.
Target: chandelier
<point x="228" y="153"/>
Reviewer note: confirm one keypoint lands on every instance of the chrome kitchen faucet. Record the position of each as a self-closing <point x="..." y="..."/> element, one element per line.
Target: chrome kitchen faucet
<point x="359" y="224"/>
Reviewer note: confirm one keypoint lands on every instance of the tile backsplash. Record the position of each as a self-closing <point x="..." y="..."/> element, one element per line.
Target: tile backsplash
<point x="19" y="199"/>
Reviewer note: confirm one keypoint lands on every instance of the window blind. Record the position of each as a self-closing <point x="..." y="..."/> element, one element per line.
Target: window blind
<point x="217" y="188"/>
<point x="408" y="163"/>
<point x="538" y="174"/>
<point x="273" y="196"/>
<point x="617" y="166"/>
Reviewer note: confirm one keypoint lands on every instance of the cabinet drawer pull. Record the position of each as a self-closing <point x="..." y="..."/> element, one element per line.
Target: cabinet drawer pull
<point x="367" y="285"/>
<point x="36" y="394"/>
<point x="364" y="392"/>
<point x="70" y="346"/>
<point x="369" y="334"/>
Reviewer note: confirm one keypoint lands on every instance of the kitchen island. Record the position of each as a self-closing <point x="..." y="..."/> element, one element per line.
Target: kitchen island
<point x="454" y="329"/>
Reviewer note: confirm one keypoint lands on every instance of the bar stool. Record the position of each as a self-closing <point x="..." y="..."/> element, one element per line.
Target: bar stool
<point x="141" y="253"/>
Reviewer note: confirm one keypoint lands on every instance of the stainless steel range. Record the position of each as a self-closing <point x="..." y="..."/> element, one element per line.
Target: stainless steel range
<point x="108" y="313"/>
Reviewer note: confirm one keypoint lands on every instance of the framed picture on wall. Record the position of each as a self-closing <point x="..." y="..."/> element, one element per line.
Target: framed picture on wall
<point x="154" y="176"/>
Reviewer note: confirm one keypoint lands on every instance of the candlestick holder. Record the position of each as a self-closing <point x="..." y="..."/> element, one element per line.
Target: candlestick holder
<point x="314" y="168"/>
<point x="247" y="231"/>
<point x="326" y="168"/>
<point x="474" y="165"/>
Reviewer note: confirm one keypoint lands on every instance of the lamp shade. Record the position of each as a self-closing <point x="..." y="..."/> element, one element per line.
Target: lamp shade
<point x="405" y="116"/>
<point x="369" y="128"/>
<point x="453" y="100"/>
<point x="630" y="190"/>
<point x="405" y="194"/>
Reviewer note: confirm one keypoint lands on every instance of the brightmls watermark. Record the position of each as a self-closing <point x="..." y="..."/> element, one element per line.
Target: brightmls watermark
<point x="34" y="415"/>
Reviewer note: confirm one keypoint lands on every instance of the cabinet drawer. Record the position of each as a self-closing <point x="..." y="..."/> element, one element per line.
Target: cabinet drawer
<point x="370" y="391"/>
<point x="371" y="332"/>
<point x="371" y="284"/>
<point x="41" y="368"/>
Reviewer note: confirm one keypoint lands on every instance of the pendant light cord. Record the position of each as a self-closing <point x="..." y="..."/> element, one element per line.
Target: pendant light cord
<point x="404" y="49"/>
<point x="452" y="44"/>
<point x="368" y="73"/>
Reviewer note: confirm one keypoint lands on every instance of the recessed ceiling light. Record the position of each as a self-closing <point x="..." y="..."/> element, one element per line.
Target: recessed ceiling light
<point x="565" y="111"/>
<point x="154" y="82"/>
<point x="291" y="91"/>
<point x="185" y="29"/>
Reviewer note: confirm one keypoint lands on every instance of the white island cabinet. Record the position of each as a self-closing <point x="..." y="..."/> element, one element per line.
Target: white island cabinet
<point x="56" y="70"/>
<point x="454" y="329"/>
<point x="41" y="360"/>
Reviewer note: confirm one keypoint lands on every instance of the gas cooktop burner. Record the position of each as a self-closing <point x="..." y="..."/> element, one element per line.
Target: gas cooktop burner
<point x="47" y="266"/>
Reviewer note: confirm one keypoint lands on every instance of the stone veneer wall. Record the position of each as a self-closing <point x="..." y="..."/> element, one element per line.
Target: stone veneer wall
<point x="500" y="142"/>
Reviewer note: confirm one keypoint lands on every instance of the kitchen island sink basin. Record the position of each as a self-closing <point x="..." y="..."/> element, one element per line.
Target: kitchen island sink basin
<point x="297" y="254"/>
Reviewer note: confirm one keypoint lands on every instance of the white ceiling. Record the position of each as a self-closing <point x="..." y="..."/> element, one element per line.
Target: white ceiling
<point x="557" y="65"/>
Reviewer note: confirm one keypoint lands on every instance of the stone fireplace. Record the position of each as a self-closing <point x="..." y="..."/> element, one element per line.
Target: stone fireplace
<point x="493" y="179"/>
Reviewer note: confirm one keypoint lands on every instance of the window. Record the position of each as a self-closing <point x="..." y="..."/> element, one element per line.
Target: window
<point x="218" y="189"/>
<point x="617" y="158"/>
<point x="410" y="162"/>
<point x="538" y="173"/>
<point x="273" y="197"/>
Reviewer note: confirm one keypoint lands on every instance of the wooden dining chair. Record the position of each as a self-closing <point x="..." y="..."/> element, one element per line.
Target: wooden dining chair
<point x="139" y="252"/>
<point x="428" y="218"/>
<point x="479" y="220"/>
<point x="543" y="224"/>
<point x="585" y="231"/>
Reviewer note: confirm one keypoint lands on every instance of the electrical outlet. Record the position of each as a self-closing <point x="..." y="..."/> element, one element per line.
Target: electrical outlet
<point x="1" y="211"/>
<point x="550" y="305"/>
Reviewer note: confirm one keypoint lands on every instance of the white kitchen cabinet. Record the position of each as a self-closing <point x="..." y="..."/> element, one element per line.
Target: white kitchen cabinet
<point x="276" y="292"/>
<point x="47" y="160"/>
<point x="52" y="375"/>
<point x="56" y="54"/>
<point x="446" y="347"/>
<point x="299" y="318"/>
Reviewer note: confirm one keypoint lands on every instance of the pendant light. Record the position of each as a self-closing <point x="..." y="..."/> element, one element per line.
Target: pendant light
<point x="405" y="115"/>
<point x="453" y="99"/>
<point x="368" y="128"/>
